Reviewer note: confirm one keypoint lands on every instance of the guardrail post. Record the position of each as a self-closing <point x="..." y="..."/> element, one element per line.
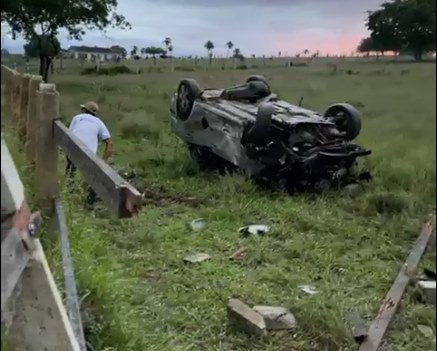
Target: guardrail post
<point x="46" y="166"/>
<point x="32" y="119"/>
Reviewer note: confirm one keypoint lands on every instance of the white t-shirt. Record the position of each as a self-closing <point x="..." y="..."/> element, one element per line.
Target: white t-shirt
<point x="89" y="129"/>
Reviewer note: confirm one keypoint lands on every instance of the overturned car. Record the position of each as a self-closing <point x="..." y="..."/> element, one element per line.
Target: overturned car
<point x="246" y="127"/>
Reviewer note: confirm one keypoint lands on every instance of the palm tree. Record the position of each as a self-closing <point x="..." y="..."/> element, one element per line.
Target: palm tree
<point x="237" y="52"/>
<point x="143" y="51"/>
<point x="209" y="46"/>
<point x="306" y="52"/>
<point x="134" y="51"/>
<point x="229" y="46"/>
<point x="170" y="50"/>
<point x="167" y="42"/>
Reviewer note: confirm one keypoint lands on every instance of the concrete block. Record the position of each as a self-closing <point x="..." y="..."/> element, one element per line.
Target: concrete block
<point x="245" y="318"/>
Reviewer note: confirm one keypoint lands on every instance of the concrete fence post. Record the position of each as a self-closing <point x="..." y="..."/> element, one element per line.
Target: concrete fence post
<point x="32" y="119"/>
<point x="46" y="167"/>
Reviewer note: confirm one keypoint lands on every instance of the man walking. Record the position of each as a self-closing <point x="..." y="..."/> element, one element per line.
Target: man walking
<point x="90" y="129"/>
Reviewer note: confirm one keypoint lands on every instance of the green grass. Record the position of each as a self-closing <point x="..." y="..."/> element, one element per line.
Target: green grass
<point x="138" y="293"/>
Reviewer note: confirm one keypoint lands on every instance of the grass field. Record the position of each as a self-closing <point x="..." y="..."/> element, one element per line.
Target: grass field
<point x="138" y="293"/>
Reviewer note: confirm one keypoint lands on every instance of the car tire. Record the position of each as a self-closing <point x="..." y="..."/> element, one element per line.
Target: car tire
<point x="346" y="118"/>
<point x="257" y="78"/>
<point x="188" y="91"/>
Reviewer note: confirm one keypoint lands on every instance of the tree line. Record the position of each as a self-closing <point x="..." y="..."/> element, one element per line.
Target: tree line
<point x="398" y="25"/>
<point x="402" y="26"/>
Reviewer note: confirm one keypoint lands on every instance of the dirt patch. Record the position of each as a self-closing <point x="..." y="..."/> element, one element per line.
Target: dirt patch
<point x="162" y="197"/>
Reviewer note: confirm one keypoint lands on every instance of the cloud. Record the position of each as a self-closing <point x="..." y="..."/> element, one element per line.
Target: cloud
<point x="255" y="26"/>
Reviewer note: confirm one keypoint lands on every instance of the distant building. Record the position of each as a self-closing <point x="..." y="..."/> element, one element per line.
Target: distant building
<point x="93" y="53"/>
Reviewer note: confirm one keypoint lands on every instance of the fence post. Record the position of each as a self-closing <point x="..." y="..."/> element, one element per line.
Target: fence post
<point x="24" y="100"/>
<point x="15" y="98"/>
<point x="7" y="79"/>
<point x="46" y="167"/>
<point x="32" y="119"/>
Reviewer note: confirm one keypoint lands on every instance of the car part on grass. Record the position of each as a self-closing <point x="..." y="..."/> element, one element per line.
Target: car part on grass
<point x="197" y="225"/>
<point x="196" y="258"/>
<point x="388" y="308"/>
<point x="254" y="229"/>
<point x="248" y="128"/>
<point x="239" y="255"/>
<point x="308" y="289"/>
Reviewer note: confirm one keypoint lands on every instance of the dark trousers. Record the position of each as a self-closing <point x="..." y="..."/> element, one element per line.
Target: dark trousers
<point x="70" y="171"/>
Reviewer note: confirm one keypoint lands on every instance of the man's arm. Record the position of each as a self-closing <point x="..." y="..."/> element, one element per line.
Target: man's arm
<point x="106" y="137"/>
<point x="108" y="149"/>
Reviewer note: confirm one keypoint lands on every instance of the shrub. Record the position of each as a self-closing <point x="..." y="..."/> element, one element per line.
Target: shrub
<point x="184" y="69"/>
<point x="107" y="71"/>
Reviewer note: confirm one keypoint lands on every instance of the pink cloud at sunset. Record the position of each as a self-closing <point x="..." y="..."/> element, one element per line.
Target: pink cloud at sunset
<point x="333" y="43"/>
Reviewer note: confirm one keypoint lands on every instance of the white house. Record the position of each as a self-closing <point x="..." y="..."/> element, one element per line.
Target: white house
<point x="91" y="53"/>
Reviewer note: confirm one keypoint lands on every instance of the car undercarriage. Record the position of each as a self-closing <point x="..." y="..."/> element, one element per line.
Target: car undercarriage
<point x="247" y="128"/>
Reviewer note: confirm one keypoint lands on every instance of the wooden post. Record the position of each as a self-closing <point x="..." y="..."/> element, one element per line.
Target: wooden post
<point x="32" y="119"/>
<point x="15" y="98"/>
<point x="24" y="100"/>
<point x="46" y="170"/>
<point x="7" y="92"/>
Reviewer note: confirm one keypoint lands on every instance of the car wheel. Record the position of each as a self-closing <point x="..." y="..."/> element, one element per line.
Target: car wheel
<point x="188" y="91"/>
<point x="346" y="118"/>
<point x="257" y="78"/>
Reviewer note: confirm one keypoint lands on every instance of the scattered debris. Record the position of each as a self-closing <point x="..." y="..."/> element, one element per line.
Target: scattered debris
<point x="198" y="257"/>
<point x="197" y="225"/>
<point x="239" y="255"/>
<point x="245" y="318"/>
<point x="254" y="229"/>
<point x="427" y="288"/>
<point x="388" y="308"/>
<point x="276" y="318"/>
<point x="309" y="289"/>
<point x="358" y="326"/>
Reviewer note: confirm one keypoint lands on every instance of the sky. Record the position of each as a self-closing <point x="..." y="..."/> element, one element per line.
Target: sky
<point x="260" y="27"/>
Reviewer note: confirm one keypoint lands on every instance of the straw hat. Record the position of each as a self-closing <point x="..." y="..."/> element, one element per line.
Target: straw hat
<point x="91" y="106"/>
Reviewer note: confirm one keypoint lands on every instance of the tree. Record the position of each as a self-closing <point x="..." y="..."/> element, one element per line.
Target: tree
<point x="167" y="42"/>
<point x="305" y="52"/>
<point x="153" y="50"/>
<point x="229" y="46"/>
<point x="170" y="51"/>
<point x="42" y="44"/>
<point x="41" y="21"/>
<point x="238" y="55"/>
<point x="366" y="46"/>
<point x="404" y="25"/>
<point x="134" y="52"/>
<point x="120" y="49"/>
<point x="209" y="46"/>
